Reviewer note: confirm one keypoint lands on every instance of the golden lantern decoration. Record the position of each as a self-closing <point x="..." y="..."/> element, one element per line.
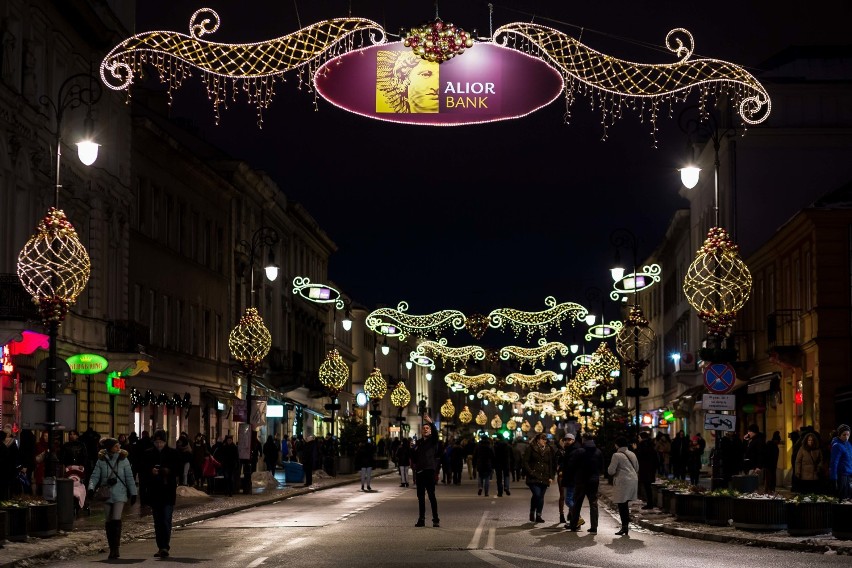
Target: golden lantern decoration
<point x="250" y="340"/>
<point x="636" y="341"/>
<point x="481" y="419"/>
<point x="465" y="416"/>
<point x="333" y="373"/>
<point x="496" y="422"/>
<point x="448" y="410"/>
<point x="525" y="427"/>
<point x="717" y="283"/>
<point x="400" y="396"/>
<point x="539" y="427"/>
<point x="553" y="429"/>
<point x="603" y="364"/>
<point x="375" y="386"/>
<point x="53" y="266"/>
<point x="511" y="424"/>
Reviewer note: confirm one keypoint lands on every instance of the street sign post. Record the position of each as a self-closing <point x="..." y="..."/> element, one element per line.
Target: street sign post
<point x="720" y="422"/>
<point x="719" y="378"/>
<point x="718" y="402"/>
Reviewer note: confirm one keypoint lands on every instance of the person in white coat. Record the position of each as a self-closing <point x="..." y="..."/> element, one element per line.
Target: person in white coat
<point x="624" y="469"/>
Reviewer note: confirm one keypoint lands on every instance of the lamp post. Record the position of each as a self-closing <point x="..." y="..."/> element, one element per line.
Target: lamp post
<point x="54" y="266"/>
<point x="635" y="341"/>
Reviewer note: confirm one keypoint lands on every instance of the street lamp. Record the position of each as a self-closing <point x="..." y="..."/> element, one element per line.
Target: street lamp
<point x="54" y="266"/>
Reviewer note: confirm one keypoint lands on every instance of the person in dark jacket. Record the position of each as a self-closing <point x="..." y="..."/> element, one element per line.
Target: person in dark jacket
<point x="162" y="468"/>
<point x="73" y="451"/>
<point x="457" y="459"/>
<point x="646" y="453"/>
<point x="504" y="463"/>
<point x="424" y="459"/>
<point x="403" y="460"/>
<point x="483" y="461"/>
<point x="587" y="464"/>
<point x="732" y="456"/>
<point x="770" y="461"/>
<point x="309" y="458"/>
<point x="539" y="467"/>
<point x="229" y="457"/>
<point x="270" y="454"/>
<point x="565" y="475"/>
<point x="679" y="452"/>
<point x="364" y="461"/>
<point x="753" y="450"/>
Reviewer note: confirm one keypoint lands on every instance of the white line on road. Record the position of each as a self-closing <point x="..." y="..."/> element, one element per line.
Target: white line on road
<point x="477" y="534"/>
<point x="492" y="536"/>
<point x="543" y="560"/>
<point x="492" y="560"/>
<point x="256" y="562"/>
<point x="297" y="540"/>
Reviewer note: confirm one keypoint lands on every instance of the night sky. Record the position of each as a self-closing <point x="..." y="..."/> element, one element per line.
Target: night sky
<point x="483" y="216"/>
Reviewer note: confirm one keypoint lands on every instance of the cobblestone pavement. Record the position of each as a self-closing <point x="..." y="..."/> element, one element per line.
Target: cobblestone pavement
<point x="88" y="534"/>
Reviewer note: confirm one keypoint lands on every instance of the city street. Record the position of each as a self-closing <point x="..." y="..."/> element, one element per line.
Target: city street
<point x="342" y="526"/>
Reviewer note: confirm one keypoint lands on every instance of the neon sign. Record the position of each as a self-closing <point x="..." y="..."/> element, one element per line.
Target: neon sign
<point x="86" y="363"/>
<point x="115" y="383"/>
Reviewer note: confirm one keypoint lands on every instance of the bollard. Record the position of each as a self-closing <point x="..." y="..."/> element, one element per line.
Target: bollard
<point x="65" y="509"/>
<point x="49" y="489"/>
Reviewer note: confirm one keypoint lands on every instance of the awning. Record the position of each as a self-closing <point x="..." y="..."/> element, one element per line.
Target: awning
<point x="220" y="394"/>
<point x="764" y="383"/>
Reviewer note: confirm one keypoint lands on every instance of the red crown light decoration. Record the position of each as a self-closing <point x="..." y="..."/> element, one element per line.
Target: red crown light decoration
<point x="437" y="41"/>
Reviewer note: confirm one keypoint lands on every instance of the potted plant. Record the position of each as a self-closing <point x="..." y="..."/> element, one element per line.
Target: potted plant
<point x="657" y="493"/>
<point x="43" y="519"/>
<point x="841" y="520"/>
<point x="671" y="487"/>
<point x="719" y="506"/>
<point x="760" y="512"/>
<point x="17" y="520"/>
<point x="689" y="504"/>
<point x="809" y="515"/>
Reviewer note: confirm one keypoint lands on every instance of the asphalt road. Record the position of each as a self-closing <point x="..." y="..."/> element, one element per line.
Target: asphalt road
<point x="344" y="527"/>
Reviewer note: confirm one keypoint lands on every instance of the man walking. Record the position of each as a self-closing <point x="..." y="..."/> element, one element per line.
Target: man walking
<point x="163" y="466"/>
<point x="646" y="453"/>
<point x="587" y="463"/>
<point x="425" y="457"/>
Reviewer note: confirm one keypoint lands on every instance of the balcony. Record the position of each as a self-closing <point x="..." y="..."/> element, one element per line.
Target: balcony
<point x="784" y="335"/>
<point x="123" y="336"/>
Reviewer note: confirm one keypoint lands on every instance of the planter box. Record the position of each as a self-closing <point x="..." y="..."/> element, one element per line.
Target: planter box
<point x="808" y="519"/>
<point x="841" y="521"/>
<point x="657" y="495"/>
<point x="718" y="510"/>
<point x="744" y="483"/>
<point x="689" y="507"/>
<point x="17" y="523"/>
<point x="760" y="514"/>
<point x="2" y="526"/>
<point x="668" y="500"/>
<point x="43" y="520"/>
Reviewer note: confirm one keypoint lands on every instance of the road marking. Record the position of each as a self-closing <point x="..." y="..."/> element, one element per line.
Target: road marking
<point x="297" y="540"/>
<point x="477" y="534"/>
<point x="492" y="560"/>
<point x="534" y="559"/>
<point x="492" y="536"/>
<point x="256" y="562"/>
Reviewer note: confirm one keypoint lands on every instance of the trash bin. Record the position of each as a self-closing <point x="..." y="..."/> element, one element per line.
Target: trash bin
<point x="744" y="483"/>
<point x="293" y="472"/>
<point x="65" y="509"/>
<point x="49" y="489"/>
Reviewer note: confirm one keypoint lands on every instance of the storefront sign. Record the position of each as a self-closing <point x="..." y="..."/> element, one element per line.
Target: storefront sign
<point x="390" y="82"/>
<point x="115" y="383"/>
<point x="86" y="364"/>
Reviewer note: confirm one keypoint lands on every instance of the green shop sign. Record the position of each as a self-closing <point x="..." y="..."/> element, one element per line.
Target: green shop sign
<point x="86" y="363"/>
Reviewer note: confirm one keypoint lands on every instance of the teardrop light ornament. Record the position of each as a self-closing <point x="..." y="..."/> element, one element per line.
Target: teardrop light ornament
<point x="250" y="340"/>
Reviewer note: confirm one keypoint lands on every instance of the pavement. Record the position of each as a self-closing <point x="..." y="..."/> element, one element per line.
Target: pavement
<point x="88" y="537"/>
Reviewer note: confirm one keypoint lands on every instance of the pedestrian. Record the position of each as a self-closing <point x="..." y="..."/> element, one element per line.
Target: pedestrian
<point x="112" y="469"/>
<point x="483" y="461"/>
<point x="403" y="459"/>
<point x="732" y="456"/>
<point x="41" y="451"/>
<point x="162" y="470"/>
<point x="679" y="449"/>
<point x="200" y="451"/>
<point x="519" y="450"/>
<point x="208" y="472"/>
<point x="74" y="451"/>
<point x="648" y="458"/>
<point x="470" y="448"/>
<point x="770" y="462"/>
<point x="285" y="449"/>
<point x="663" y="445"/>
<point x="587" y="465"/>
<point x="753" y="451"/>
<point x="504" y="463"/>
<point x="840" y="463"/>
<point x="565" y="476"/>
<point x="807" y="468"/>
<point x="270" y="454"/>
<point x="457" y="458"/>
<point x="184" y="447"/>
<point x="309" y="458"/>
<point x="539" y="468"/>
<point x="447" y="465"/>
<point x="424" y="458"/>
<point x="693" y="459"/>
<point x="229" y="457"/>
<point x="796" y="440"/>
<point x="364" y="462"/>
<point x="624" y="470"/>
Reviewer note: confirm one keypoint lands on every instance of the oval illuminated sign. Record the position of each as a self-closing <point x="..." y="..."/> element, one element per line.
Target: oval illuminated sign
<point x="86" y="363"/>
<point x="389" y="82"/>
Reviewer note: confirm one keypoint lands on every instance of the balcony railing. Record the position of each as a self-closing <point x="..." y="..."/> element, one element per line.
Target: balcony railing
<point x="15" y="303"/>
<point x="125" y="336"/>
<point x="784" y="328"/>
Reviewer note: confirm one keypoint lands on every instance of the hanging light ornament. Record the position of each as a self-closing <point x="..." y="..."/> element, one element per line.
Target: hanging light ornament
<point x="636" y="341"/>
<point x="496" y="422"/>
<point x="333" y="373"/>
<point x="375" y="386"/>
<point x="250" y="340"/>
<point x="718" y="282"/>
<point x="437" y="41"/>
<point x="465" y="416"/>
<point x="603" y="364"/>
<point x="476" y="325"/>
<point x="525" y="427"/>
<point x="481" y="419"/>
<point x="448" y="410"/>
<point x="539" y="427"/>
<point x="553" y="429"/>
<point x="53" y="266"/>
<point x="511" y="424"/>
<point x="400" y="396"/>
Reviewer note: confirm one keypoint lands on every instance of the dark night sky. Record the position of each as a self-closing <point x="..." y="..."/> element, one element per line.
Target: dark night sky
<point x="484" y="216"/>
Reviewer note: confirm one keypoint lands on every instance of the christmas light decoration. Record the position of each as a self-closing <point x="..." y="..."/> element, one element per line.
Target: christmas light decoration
<point x="537" y="321"/>
<point x="636" y="342"/>
<point x="421" y="360"/>
<point x="465" y="416"/>
<point x="603" y="364"/>
<point x="472" y="381"/>
<point x="437" y="41"/>
<point x="416" y="325"/>
<point x="250" y="340"/>
<point x="532" y="355"/>
<point x="582" y="360"/>
<point x="227" y="69"/>
<point x="476" y="325"/>
<point x="318" y="293"/>
<point x="333" y="373"/>
<point x="496" y="422"/>
<point x="539" y="397"/>
<point x="498" y="396"/>
<point x="452" y="354"/>
<point x="525" y="426"/>
<point x="53" y="266"/>
<point x="717" y="283"/>
<point x="138" y="400"/>
<point x="539" y="427"/>
<point x="617" y="83"/>
<point x="511" y="424"/>
<point x="530" y="381"/>
<point x="603" y="330"/>
<point x="481" y="419"/>
<point x="375" y="386"/>
<point x="635" y="282"/>
<point x="448" y="410"/>
<point x="400" y="396"/>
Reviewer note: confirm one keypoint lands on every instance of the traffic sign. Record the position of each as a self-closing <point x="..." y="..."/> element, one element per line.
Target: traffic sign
<point x="721" y="422"/>
<point x="718" y="402"/>
<point x="719" y="378"/>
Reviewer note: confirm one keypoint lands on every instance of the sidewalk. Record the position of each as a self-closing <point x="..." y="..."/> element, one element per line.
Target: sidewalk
<point x="88" y="536"/>
<point x="658" y="521"/>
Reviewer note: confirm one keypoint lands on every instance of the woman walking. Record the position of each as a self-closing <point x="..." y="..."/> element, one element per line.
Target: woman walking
<point x="539" y="467"/>
<point x="483" y="459"/>
<point x="364" y="461"/>
<point x="624" y="469"/>
<point x="808" y="466"/>
<point x="112" y="469"/>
